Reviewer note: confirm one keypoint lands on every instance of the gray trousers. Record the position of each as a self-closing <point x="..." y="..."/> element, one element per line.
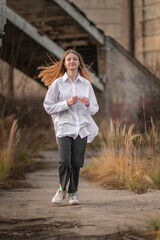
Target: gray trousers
<point x="71" y="154"/>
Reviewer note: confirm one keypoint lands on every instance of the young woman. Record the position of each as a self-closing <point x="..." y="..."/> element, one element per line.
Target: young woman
<point x="70" y="100"/>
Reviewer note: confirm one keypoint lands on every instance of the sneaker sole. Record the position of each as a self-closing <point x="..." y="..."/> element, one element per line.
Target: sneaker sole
<point x="74" y="203"/>
<point x="56" y="203"/>
<point x="53" y="202"/>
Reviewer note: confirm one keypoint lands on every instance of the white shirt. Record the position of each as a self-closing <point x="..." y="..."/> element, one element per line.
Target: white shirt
<point x="75" y="119"/>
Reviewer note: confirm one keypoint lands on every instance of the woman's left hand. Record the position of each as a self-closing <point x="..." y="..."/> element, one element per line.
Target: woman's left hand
<point x="85" y="101"/>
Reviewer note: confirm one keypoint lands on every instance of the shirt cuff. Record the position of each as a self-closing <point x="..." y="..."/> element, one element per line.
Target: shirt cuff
<point x="90" y="109"/>
<point x="65" y="105"/>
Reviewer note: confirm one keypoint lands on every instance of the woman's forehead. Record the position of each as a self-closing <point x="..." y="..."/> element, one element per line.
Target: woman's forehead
<point x="71" y="55"/>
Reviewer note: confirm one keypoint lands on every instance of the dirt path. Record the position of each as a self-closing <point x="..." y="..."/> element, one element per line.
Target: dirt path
<point x="29" y="214"/>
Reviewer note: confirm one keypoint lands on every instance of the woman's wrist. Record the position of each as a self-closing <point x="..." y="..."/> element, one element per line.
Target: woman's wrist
<point x="87" y="105"/>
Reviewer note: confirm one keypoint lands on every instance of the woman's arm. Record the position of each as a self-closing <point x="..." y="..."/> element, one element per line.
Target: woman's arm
<point x="51" y="104"/>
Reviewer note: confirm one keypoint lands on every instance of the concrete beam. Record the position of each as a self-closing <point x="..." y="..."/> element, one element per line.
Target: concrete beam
<point x="81" y="20"/>
<point x="32" y="32"/>
<point x="44" y="41"/>
<point x="97" y="83"/>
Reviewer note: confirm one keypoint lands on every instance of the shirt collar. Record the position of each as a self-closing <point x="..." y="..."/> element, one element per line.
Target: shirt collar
<point x="65" y="77"/>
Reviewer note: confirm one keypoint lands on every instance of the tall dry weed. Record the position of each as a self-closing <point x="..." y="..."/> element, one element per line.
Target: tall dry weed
<point x="7" y="152"/>
<point x="153" y="226"/>
<point x="151" y="137"/>
<point x="127" y="159"/>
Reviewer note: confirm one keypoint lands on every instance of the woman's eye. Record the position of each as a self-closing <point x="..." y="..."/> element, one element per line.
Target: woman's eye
<point x="74" y="59"/>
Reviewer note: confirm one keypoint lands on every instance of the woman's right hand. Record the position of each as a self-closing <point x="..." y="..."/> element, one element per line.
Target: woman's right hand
<point x="72" y="100"/>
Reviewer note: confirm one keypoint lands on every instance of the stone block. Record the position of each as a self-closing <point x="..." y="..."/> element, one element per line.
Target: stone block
<point x="150" y="12"/>
<point x="104" y="16"/>
<point x="151" y="2"/>
<point x="113" y="30"/>
<point x="137" y="3"/>
<point x="152" y="43"/>
<point x="147" y="44"/>
<point x="97" y="4"/>
<point x="152" y="27"/>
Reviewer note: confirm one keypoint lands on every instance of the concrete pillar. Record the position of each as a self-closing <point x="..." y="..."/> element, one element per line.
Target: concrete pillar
<point x="3" y="14"/>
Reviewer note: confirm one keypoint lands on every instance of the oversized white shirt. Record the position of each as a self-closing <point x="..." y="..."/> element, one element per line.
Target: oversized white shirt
<point x="75" y="119"/>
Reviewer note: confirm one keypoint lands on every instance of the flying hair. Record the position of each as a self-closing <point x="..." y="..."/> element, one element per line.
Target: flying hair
<point x="49" y="74"/>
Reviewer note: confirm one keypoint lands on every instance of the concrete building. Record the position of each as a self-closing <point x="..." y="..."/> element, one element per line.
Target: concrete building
<point x="133" y="23"/>
<point x="111" y="16"/>
<point x="132" y="92"/>
<point x="147" y="33"/>
<point x="28" y="40"/>
<point x="126" y="89"/>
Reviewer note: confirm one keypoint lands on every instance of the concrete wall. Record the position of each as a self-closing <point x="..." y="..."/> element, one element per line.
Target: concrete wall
<point x="132" y="93"/>
<point x="112" y="16"/>
<point x="147" y="33"/>
<point x="14" y="83"/>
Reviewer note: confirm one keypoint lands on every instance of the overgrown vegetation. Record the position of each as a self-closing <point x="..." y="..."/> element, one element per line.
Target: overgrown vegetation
<point x="25" y="129"/>
<point x="153" y="224"/>
<point x="127" y="160"/>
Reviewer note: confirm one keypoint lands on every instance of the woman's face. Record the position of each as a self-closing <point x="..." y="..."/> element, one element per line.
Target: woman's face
<point x="71" y="62"/>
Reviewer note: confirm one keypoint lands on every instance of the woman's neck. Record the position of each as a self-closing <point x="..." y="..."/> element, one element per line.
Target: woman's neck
<point x="72" y="75"/>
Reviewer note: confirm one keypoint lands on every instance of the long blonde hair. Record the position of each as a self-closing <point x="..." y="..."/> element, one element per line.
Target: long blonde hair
<point x="50" y="73"/>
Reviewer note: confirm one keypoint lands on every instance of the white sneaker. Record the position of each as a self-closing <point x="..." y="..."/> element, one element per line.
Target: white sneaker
<point x="73" y="199"/>
<point x="59" y="196"/>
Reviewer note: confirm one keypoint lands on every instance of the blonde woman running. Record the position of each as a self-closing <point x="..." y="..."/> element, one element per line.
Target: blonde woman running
<point x="70" y="100"/>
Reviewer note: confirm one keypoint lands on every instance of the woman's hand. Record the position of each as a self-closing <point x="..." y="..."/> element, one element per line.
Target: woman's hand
<point x="85" y="101"/>
<point x="72" y="100"/>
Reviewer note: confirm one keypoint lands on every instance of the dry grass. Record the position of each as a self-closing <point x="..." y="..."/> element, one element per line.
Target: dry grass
<point x="24" y="131"/>
<point x="153" y="226"/>
<point x="7" y="152"/>
<point x="14" y="157"/>
<point x="127" y="160"/>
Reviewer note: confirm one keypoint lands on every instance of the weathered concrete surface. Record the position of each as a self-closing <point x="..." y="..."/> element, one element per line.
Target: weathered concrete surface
<point x="101" y="211"/>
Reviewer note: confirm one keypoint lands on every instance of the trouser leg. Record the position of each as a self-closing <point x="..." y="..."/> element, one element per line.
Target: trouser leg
<point x="77" y="161"/>
<point x="74" y="179"/>
<point x="71" y="154"/>
<point x="64" y="148"/>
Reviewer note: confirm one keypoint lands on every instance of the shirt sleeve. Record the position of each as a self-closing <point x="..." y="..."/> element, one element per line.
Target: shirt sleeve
<point x="51" y="103"/>
<point x="93" y="107"/>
